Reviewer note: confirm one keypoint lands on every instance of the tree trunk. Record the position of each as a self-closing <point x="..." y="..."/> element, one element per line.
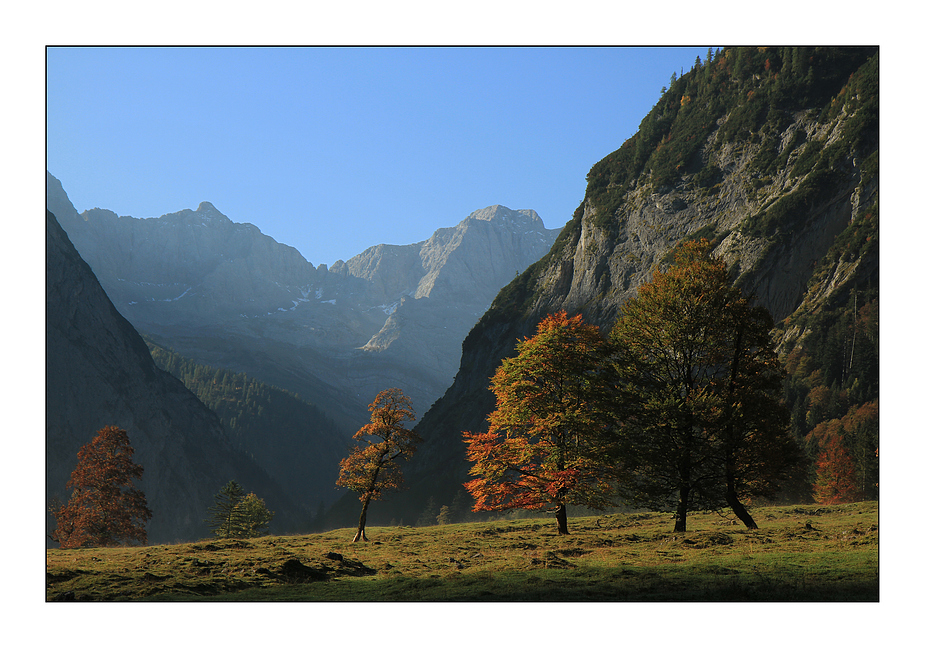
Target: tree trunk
<point x="739" y="509"/>
<point x="680" y="521"/>
<point x="684" y="492"/>
<point x="732" y="499"/>
<point x="561" y="519"/>
<point x="361" y="527"/>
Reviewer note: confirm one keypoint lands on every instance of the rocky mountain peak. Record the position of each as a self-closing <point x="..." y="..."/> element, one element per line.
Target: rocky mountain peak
<point x="502" y="236"/>
<point x="205" y="215"/>
<point x="501" y="216"/>
<point x="99" y="215"/>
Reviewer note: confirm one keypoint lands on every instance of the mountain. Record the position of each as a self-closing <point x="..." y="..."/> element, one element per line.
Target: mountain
<point x="226" y="295"/>
<point x="773" y="155"/>
<point x="99" y="372"/>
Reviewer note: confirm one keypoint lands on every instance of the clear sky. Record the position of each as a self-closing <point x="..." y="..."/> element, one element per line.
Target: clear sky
<point x="332" y="150"/>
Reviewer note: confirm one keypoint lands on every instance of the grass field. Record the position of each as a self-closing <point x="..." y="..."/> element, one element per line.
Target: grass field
<point x="799" y="553"/>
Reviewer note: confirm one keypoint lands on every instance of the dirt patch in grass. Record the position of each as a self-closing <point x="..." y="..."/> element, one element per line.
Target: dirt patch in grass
<point x="707" y="540"/>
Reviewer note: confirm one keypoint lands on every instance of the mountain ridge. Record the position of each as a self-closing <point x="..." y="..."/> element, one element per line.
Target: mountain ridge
<point x="224" y="294"/>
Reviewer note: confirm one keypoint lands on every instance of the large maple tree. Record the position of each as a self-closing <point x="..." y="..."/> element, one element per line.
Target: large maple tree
<point x="546" y="437"/>
<point x="702" y="422"/>
<point x="105" y="509"/>
<point x="372" y="468"/>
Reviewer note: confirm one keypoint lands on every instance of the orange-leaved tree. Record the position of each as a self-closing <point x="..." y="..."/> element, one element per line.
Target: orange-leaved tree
<point x="372" y="467"/>
<point x="835" y="475"/>
<point x="104" y="509"/>
<point x="847" y="466"/>
<point x="547" y="435"/>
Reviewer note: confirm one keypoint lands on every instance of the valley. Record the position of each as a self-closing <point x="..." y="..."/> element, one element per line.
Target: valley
<point x="771" y="155"/>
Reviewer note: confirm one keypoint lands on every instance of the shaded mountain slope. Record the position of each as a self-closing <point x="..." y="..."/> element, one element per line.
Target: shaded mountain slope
<point x="99" y="372"/>
<point x="287" y="437"/>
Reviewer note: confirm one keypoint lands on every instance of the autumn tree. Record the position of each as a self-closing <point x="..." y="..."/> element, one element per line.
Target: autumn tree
<point x="105" y="509"/>
<point x="846" y="455"/>
<point x="835" y="474"/>
<point x="752" y="446"/>
<point x="544" y="444"/>
<point x="702" y="425"/>
<point x="372" y="468"/>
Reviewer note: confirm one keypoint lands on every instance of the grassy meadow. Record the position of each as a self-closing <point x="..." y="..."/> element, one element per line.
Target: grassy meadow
<point x="799" y="553"/>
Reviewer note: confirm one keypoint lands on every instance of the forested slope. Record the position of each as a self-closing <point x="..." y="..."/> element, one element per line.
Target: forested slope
<point x="289" y="438"/>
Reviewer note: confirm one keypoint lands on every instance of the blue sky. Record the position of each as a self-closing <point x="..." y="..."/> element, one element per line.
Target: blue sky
<point x="332" y="150"/>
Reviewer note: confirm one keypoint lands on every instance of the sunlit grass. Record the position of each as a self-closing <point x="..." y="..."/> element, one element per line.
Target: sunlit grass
<point x="799" y="553"/>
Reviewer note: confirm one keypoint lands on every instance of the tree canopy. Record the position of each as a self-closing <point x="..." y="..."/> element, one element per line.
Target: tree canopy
<point x="544" y="445"/>
<point x="702" y="424"/>
<point x="105" y="509"/>
<point x="372" y="468"/>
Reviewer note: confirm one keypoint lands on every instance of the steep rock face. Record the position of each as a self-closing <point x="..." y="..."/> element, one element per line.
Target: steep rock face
<point x="773" y="196"/>
<point x="99" y="372"/>
<point x="453" y="277"/>
<point x="455" y="259"/>
<point x="226" y="295"/>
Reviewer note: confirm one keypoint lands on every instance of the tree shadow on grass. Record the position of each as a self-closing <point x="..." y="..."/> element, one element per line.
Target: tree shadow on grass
<point x="672" y="583"/>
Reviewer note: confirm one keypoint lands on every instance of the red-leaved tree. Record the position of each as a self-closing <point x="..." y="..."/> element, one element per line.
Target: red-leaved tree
<point x="372" y="467"/>
<point x="546" y="437"/>
<point x="847" y="465"/>
<point x="835" y="475"/>
<point x="105" y="509"/>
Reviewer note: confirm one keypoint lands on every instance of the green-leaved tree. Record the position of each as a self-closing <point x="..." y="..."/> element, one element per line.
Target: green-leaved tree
<point x="226" y="517"/>
<point x="702" y="423"/>
<point x="236" y="515"/>
<point x="254" y="516"/>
